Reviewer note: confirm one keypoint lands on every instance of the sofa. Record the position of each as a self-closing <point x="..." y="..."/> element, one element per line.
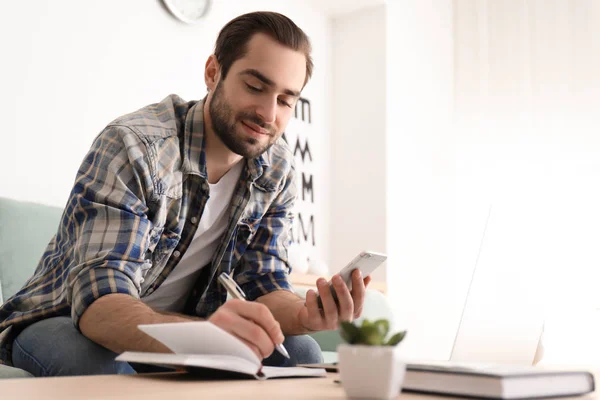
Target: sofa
<point x="26" y="228"/>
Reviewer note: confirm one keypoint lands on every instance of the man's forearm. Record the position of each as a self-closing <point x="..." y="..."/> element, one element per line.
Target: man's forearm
<point x="112" y="321"/>
<point x="285" y="307"/>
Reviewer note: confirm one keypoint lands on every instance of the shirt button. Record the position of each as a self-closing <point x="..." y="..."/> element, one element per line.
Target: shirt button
<point x="194" y="220"/>
<point x="176" y="253"/>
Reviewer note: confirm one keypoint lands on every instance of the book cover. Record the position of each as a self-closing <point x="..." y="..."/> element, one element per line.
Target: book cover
<point x="495" y="381"/>
<point x="490" y="381"/>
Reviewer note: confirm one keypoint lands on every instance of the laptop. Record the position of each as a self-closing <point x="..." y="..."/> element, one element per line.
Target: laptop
<point x="502" y="319"/>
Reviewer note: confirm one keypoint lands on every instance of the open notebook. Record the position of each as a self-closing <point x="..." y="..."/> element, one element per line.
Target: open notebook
<point x="203" y="345"/>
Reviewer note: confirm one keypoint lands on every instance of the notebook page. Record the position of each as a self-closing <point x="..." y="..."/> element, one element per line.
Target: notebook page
<point x="200" y="337"/>
<point x="283" y="372"/>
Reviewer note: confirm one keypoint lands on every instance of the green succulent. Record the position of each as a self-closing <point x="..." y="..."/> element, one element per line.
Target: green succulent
<point x="370" y="333"/>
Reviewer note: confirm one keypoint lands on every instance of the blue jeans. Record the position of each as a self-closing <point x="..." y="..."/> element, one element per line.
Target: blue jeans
<point x="54" y="347"/>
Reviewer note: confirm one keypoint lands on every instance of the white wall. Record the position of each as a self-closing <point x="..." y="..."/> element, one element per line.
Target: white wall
<point x="424" y="287"/>
<point x="70" y="67"/>
<point x="522" y="143"/>
<point x="527" y="91"/>
<point x="337" y="8"/>
<point x="358" y="136"/>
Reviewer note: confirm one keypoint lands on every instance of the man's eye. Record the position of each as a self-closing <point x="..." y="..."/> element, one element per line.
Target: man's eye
<point x="253" y="89"/>
<point x="282" y="102"/>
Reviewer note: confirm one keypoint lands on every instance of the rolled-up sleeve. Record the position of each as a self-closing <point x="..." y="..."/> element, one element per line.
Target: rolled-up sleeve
<point x="264" y="265"/>
<point x="95" y="282"/>
<point x="109" y="228"/>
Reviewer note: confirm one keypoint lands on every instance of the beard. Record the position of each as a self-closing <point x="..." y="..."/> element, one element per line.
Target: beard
<point x="224" y="124"/>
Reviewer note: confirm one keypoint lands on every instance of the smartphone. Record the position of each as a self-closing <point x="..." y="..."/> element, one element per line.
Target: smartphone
<point x="366" y="262"/>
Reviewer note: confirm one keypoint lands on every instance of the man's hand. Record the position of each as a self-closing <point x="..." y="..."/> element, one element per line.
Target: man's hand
<point x="350" y="303"/>
<point x="250" y="322"/>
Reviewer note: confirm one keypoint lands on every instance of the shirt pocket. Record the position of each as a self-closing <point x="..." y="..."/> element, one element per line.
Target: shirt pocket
<point x="260" y="201"/>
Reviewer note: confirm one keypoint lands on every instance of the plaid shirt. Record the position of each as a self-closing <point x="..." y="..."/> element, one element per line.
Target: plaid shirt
<point x="134" y="209"/>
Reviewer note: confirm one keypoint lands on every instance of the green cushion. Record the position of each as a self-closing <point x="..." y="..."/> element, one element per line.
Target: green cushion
<point x="25" y="230"/>
<point x="7" y="372"/>
<point x="330" y="357"/>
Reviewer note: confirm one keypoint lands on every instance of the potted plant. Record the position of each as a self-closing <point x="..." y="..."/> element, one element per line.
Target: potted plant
<point x="369" y="362"/>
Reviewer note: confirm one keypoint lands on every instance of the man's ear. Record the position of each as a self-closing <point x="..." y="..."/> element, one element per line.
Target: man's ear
<point x="212" y="72"/>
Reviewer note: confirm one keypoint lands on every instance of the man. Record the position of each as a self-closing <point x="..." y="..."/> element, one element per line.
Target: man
<point x="167" y="198"/>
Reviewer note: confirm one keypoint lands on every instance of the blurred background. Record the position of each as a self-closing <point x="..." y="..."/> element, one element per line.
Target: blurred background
<point x="460" y="137"/>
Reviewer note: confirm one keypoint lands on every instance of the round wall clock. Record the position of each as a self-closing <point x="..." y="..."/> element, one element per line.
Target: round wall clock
<point x="188" y="11"/>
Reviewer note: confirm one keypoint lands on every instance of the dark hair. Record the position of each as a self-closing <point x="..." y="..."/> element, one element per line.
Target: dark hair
<point x="232" y="42"/>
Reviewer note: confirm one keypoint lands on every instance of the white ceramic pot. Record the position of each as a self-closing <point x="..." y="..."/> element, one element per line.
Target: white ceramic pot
<point x="371" y="372"/>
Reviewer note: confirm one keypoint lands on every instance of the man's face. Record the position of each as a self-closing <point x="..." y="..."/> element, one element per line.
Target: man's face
<point x="250" y="109"/>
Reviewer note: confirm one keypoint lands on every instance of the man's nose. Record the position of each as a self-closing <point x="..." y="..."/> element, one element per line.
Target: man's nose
<point x="267" y="110"/>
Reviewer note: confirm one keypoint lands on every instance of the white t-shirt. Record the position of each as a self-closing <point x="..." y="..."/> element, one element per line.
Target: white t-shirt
<point x="173" y="292"/>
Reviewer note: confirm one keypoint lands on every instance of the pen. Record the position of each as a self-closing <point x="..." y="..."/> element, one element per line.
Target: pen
<point x="237" y="293"/>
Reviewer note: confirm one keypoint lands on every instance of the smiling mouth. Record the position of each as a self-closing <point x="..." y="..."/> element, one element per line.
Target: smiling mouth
<point x="256" y="129"/>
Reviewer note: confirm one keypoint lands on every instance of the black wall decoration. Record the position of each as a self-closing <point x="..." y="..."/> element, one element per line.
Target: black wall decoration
<point x="298" y="138"/>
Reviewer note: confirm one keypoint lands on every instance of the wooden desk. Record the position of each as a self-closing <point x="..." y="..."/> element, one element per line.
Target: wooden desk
<point x="182" y="386"/>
